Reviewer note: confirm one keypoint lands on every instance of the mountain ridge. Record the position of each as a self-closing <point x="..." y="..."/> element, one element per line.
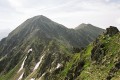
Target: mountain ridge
<point x="42" y="42"/>
<point x="50" y="29"/>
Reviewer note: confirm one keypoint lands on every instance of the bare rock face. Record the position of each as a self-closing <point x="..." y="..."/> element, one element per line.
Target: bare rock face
<point x="111" y="30"/>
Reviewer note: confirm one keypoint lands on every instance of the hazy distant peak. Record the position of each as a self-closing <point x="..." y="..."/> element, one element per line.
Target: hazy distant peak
<point x="84" y="25"/>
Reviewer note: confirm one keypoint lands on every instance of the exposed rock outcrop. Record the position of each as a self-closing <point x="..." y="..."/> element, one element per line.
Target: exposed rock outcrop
<point x="111" y="30"/>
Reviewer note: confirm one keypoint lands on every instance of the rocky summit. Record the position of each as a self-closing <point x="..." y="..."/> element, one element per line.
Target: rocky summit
<point x="41" y="49"/>
<point x="112" y="30"/>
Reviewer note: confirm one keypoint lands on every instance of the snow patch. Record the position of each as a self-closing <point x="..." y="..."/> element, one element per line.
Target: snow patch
<point x="30" y="50"/>
<point x="53" y="53"/>
<point x="59" y="65"/>
<point x="22" y="64"/>
<point x="21" y="76"/>
<point x="37" y="65"/>
<point x="50" y="70"/>
<point x="32" y="79"/>
<point x="42" y="76"/>
<point x="3" y="57"/>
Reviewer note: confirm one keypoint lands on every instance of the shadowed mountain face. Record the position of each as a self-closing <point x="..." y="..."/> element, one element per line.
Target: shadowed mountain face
<point x="39" y="45"/>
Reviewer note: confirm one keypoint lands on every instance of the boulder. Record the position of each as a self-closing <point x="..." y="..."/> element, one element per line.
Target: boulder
<point x="111" y="31"/>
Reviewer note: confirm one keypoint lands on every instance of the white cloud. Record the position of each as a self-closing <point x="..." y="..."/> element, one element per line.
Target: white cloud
<point x="15" y="3"/>
<point x="107" y="0"/>
<point x="118" y="21"/>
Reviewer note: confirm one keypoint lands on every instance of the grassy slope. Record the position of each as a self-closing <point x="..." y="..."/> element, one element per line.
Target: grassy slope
<point x="91" y="69"/>
<point x="100" y="71"/>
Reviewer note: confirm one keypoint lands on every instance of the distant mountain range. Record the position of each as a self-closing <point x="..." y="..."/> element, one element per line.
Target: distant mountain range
<point x="40" y="45"/>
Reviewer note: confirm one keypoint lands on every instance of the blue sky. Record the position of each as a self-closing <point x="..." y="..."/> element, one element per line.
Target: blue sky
<point x="71" y="13"/>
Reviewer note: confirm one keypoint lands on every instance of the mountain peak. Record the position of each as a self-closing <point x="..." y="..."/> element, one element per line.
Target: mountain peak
<point x="41" y="18"/>
<point x="84" y="25"/>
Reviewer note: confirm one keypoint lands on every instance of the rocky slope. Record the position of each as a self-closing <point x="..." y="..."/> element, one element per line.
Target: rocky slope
<point x="42" y="49"/>
<point x="100" y="60"/>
